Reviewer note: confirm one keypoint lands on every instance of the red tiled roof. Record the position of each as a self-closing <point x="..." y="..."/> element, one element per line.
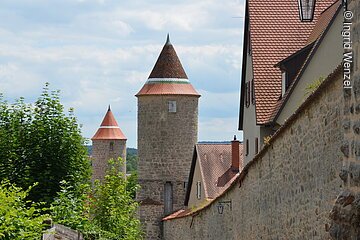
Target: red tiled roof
<point x="167" y="89"/>
<point x="215" y="161"/>
<point x="323" y="21"/>
<point x="319" y="30"/>
<point x="276" y="32"/>
<point x="168" y="76"/>
<point x="109" y="129"/>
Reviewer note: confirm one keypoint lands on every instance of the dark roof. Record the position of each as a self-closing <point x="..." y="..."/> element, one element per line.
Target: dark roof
<point x="215" y="166"/>
<point x="321" y="29"/>
<point x="109" y="129"/>
<point x="276" y="32"/>
<point x="168" y="76"/>
<point x="168" y="64"/>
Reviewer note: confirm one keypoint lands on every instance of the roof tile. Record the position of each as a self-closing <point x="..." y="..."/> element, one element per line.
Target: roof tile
<point x="276" y="32"/>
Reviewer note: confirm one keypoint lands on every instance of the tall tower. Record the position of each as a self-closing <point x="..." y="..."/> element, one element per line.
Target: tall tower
<point x="109" y="142"/>
<point x="167" y="133"/>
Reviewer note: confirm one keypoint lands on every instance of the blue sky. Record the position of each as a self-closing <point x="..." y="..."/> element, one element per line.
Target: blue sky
<point x="99" y="52"/>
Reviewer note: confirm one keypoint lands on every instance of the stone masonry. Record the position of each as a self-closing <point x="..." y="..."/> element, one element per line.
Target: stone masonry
<point x="103" y="151"/>
<point x="288" y="189"/>
<point x="165" y="143"/>
<point x="346" y="212"/>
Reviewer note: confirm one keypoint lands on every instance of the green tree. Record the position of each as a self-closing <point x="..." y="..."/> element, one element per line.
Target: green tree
<point x="41" y="144"/>
<point x="71" y="207"/>
<point x="114" y="209"/>
<point x="131" y="162"/>
<point x="108" y="211"/>
<point x="19" y="218"/>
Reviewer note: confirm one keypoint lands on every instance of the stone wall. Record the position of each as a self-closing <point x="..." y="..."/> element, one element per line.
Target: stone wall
<point x="289" y="188"/>
<point x="102" y="153"/>
<point x="165" y="146"/>
<point x="60" y="232"/>
<point x="346" y="211"/>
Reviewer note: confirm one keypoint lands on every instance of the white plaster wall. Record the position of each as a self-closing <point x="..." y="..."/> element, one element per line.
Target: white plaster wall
<point x="327" y="57"/>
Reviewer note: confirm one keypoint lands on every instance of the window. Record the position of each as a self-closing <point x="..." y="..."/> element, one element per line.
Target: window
<point x="256" y="145"/>
<point x="252" y="92"/>
<point x="168" y="198"/>
<point x="198" y="190"/>
<point x="283" y="82"/>
<point x="111" y="147"/>
<point x="247" y="94"/>
<point x="185" y="185"/>
<point x="172" y="106"/>
<point x="249" y="44"/>
<point x="247" y="147"/>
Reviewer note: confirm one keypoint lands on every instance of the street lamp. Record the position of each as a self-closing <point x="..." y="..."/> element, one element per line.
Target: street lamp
<point x="221" y="205"/>
<point x="306" y="10"/>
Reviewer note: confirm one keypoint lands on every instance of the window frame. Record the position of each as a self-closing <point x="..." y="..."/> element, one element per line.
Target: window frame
<point x="172" y="106"/>
<point x="198" y="190"/>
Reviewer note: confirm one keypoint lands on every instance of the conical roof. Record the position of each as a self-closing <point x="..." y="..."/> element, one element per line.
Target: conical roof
<point x="109" y="129"/>
<point x="168" y="76"/>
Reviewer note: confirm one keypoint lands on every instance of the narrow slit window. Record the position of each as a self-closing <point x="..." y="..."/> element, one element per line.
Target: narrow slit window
<point x="111" y="147"/>
<point x="168" y="198"/>
<point x="247" y="147"/>
<point x="256" y="145"/>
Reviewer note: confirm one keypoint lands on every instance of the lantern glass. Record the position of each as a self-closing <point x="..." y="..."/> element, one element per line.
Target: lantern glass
<point x="306" y="10"/>
<point x="220" y="208"/>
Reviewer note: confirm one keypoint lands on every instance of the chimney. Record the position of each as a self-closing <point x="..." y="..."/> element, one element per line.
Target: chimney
<point x="235" y="159"/>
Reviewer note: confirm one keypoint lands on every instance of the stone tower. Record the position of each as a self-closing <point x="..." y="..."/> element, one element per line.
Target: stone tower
<point x="109" y="142"/>
<point x="167" y="133"/>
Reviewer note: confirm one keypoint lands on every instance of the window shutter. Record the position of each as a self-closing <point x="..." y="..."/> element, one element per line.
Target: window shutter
<point x="253" y="92"/>
<point x="198" y="190"/>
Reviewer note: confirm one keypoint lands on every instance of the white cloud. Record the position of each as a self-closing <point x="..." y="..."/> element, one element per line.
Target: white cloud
<point x="100" y="52"/>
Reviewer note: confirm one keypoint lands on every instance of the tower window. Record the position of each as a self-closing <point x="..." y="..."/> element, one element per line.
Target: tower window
<point x="168" y="198"/>
<point x="172" y="106"/>
<point x="198" y="190"/>
<point x="111" y="147"/>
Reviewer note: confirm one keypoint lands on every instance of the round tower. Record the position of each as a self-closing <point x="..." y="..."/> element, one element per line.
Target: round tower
<point x="109" y="142"/>
<point x="167" y="133"/>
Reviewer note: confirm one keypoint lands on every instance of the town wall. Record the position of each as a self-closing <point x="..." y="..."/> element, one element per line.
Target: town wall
<point x="345" y="214"/>
<point x="288" y="190"/>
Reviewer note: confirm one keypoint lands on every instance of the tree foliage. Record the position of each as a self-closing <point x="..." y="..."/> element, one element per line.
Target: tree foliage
<point x="19" y="218"/>
<point x="131" y="162"/>
<point x="41" y="144"/>
<point x="108" y="211"/>
<point x="114" y="208"/>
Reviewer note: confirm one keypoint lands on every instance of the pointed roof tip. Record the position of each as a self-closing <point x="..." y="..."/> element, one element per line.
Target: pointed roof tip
<point x="168" y="39"/>
<point x="109" y="128"/>
<point x="109" y="108"/>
